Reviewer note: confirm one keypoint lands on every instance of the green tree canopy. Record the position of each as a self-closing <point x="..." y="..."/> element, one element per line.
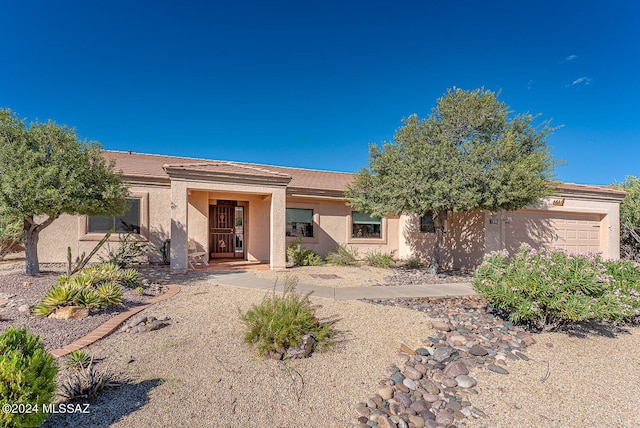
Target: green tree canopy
<point x="630" y="218"/>
<point x="469" y="154"/>
<point x="46" y="171"/>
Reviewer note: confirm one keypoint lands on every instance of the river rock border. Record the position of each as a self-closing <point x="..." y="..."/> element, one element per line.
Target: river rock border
<point x="434" y="388"/>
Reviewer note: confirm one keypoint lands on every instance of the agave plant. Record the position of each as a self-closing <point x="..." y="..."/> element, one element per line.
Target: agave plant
<point x="90" y="299"/>
<point x="60" y="295"/>
<point x="110" y="293"/>
<point x="101" y="273"/>
<point x="42" y="310"/>
<point x="78" y="360"/>
<point x="130" y="278"/>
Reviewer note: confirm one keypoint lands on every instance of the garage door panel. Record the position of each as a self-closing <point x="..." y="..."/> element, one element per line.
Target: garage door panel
<point x="575" y="232"/>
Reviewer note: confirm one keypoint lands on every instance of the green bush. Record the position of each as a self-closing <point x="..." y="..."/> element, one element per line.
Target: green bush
<point x="413" y="263"/>
<point x="551" y="288"/>
<point x="378" y="259"/>
<point x="28" y="375"/>
<point x="78" y="360"/>
<point x="279" y="323"/>
<point x="129" y="251"/>
<point x="343" y="256"/>
<point x="300" y="256"/>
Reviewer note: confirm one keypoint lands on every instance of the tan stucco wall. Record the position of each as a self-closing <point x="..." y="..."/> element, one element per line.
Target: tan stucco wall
<point x="70" y="231"/>
<point x="332" y="226"/>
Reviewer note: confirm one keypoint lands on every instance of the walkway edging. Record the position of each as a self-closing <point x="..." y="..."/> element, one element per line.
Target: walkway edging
<point x="112" y="324"/>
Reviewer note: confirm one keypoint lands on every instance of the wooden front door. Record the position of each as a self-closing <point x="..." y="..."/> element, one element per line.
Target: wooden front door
<point x="224" y="238"/>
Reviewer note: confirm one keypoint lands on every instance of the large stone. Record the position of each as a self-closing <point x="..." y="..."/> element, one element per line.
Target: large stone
<point x="412" y="373"/>
<point x="70" y="313"/>
<point x="420" y="405"/>
<point x="416" y="420"/>
<point x="444" y="418"/>
<point x="385" y="422"/>
<point x="478" y="351"/>
<point x="402" y="398"/>
<point x="455" y="368"/>
<point x="497" y="369"/>
<point x="430" y="387"/>
<point x="410" y="384"/>
<point x="385" y="392"/>
<point x="441" y="326"/>
<point x="465" y="381"/>
<point x="443" y="353"/>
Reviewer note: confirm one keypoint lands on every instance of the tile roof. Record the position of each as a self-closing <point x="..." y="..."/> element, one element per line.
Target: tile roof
<point x="140" y="165"/>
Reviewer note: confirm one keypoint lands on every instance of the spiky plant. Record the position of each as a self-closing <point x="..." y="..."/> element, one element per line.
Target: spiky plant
<point x="86" y="383"/>
<point x="110" y="293"/>
<point x="139" y="291"/>
<point x="42" y="310"/>
<point x="78" y="360"/>
<point x="101" y="273"/>
<point x="90" y="298"/>
<point x="130" y="278"/>
<point x="60" y="295"/>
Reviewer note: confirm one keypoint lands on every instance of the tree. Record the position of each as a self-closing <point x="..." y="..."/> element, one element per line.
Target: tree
<point x="469" y="154"/>
<point x="46" y="171"/>
<point x="630" y="218"/>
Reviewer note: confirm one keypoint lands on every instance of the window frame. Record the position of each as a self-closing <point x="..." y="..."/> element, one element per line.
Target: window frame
<point x="312" y="223"/>
<point x="83" y="222"/>
<point x="431" y="224"/>
<point x="362" y="240"/>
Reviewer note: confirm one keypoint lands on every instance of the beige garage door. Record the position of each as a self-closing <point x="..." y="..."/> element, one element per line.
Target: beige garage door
<point x="577" y="233"/>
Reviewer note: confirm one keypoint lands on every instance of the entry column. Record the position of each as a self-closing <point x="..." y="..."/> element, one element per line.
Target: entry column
<point x="278" y="247"/>
<point x="178" y="226"/>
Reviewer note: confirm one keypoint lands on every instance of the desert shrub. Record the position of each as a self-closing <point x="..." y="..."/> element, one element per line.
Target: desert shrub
<point x="413" y="263"/>
<point x="280" y="322"/>
<point x="379" y="259"/>
<point x="343" y="256"/>
<point x="128" y="251"/>
<point x="28" y="377"/>
<point x="300" y="256"/>
<point x="550" y="288"/>
<point x="130" y="278"/>
<point x="78" y="360"/>
<point x="86" y="382"/>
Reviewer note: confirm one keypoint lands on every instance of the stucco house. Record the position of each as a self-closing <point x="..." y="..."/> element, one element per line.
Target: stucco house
<point x="251" y="212"/>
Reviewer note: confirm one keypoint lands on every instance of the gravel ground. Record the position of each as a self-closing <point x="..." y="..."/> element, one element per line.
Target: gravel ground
<point x="199" y="372"/>
<point x="18" y="289"/>
<point x="361" y="276"/>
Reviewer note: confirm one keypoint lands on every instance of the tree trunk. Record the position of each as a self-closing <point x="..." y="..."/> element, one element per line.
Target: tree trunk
<point x="30" y="240"/>
<point x="439" y="219"/>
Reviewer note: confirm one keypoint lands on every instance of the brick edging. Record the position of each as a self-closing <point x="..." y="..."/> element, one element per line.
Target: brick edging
<point x="112" y="324"/>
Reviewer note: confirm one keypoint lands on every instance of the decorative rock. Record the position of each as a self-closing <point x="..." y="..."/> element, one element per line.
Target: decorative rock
<point x="522" y="356"/>
<point x="417" y="421"/>
<point x="412" y="373"/>
<point x="410" y="384"/>
<point x="449" y="382"/>
<point x="478" y="351"/>
<point x="443" y="353"/>
<point x="70" y="313"/>
<point x="441" y="326"/>
<point x="444" y="418"/>
<point x="397" y="377"/>
<point x="430" y="423"/>
<point x="465" y="381"/>
<point x="430" y="398"/>
<point x="23" y="308"/>
<point x="385" y="392"/>
<point x="420" y="406"/>
<point x="407" y="350"/>
<point x="497" y="369"/>
<point x="137" y="320"/>
<point x="430" y="387"/>
<point x="385" y="422"/>
<point x="363" y="411"/>
<point x="422" y="351"/>
<point x="455" y="368"/>
<point x="402" y="398"/>
<point x="420" y="368"/>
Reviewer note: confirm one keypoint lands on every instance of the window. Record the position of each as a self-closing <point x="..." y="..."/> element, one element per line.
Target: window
<point x="299" y="222"/>
<point x="129" y="222"/>
<point x="365" y="226"/>
<point x="426" y="224"/>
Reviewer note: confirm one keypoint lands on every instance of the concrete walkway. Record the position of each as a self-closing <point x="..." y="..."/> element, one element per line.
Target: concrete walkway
<point x="249" y="280"/>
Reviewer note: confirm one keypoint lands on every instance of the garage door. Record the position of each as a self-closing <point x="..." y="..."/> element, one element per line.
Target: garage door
<point x="577" y="233"/>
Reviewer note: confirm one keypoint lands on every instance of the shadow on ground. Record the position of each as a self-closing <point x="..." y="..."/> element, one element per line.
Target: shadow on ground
<point x="595" y="328"/>
<point x="108" y="407"/>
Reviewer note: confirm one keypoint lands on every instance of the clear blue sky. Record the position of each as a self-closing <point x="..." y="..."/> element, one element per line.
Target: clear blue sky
<point x="312" y="83"/>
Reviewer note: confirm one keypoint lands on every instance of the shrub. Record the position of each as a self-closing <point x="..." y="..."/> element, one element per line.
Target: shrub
<point x="343" y="256"/>
<point x="110" y="293"/>
<point x="78" y="360"/>
<point x="279" y="323"/>
<point x="378" y="259"/>
<point x="300" y="256"/>
<point x="28" y="376"/>
<point x="139" y="291"/>
<point x="413" y="263"/>
<point x="127" y="252"/>
<point x="551" y="288"/>
<point x="130" y="278"/>
<point x="86" y="382"/>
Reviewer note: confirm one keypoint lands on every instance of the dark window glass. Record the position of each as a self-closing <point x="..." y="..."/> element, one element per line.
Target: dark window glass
<point x="426" y="224"/>
<point x="299" y="222"/>
<point x="129" y="222"/>
<point x="365" y="226"/>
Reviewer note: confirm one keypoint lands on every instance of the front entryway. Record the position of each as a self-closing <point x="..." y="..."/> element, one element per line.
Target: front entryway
<point x="226" y="223"/>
